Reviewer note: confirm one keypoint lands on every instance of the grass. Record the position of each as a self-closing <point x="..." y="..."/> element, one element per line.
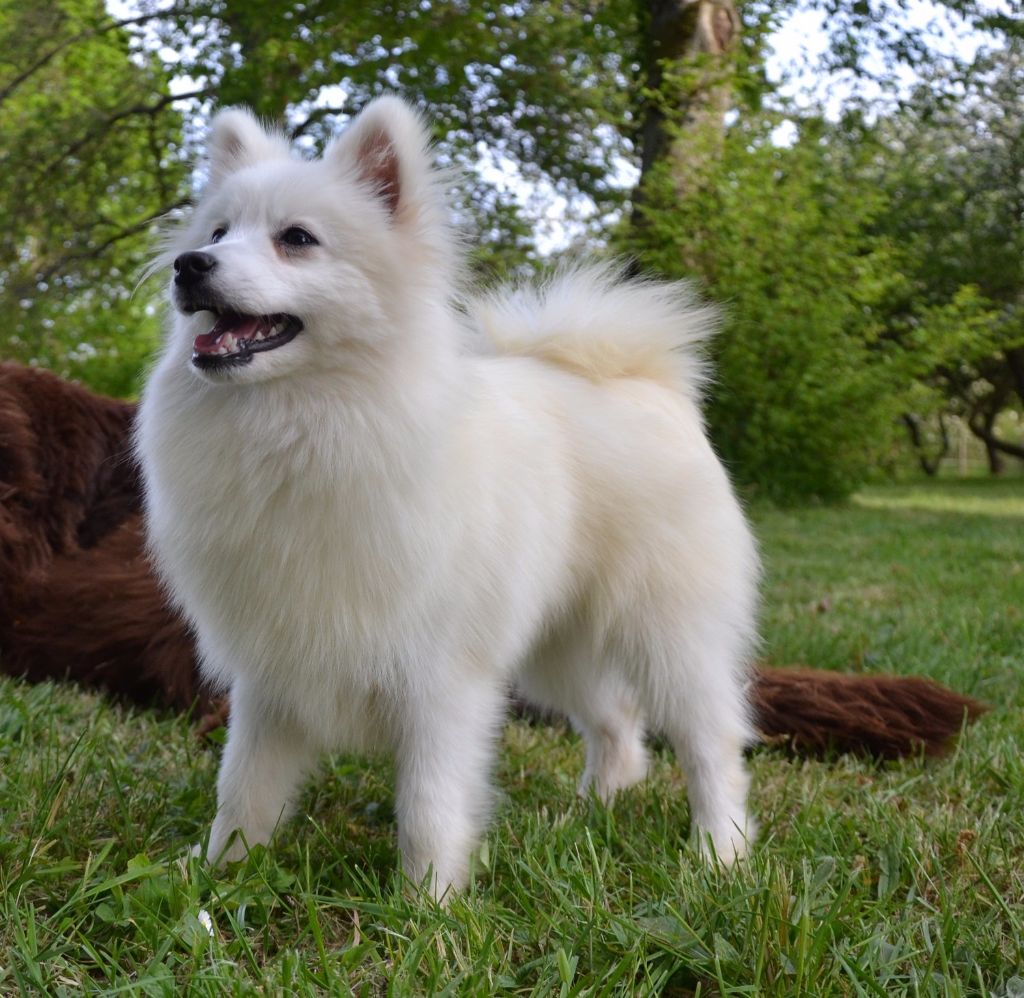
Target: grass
<point x="869" y="879"/>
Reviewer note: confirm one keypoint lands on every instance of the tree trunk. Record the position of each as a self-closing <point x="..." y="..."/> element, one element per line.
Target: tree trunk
<point x="996" y="464"/>
<point x="929" y="465"/>
<point x="983" y="429"/>
<point x="687" y="88"/>
<point x="1015" y="362"/>
<point x="982" y="423"/>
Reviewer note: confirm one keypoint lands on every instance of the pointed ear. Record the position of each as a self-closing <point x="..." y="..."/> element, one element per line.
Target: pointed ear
<point x="236" y="140"/>
<point x="387" y="147"/>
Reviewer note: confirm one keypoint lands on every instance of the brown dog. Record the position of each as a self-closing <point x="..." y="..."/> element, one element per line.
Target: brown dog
<point x="78" y="600"/>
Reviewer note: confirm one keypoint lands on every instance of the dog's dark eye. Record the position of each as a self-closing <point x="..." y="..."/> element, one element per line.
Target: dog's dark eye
<point x="218" y="234"/>
<point x="297" y="237"/>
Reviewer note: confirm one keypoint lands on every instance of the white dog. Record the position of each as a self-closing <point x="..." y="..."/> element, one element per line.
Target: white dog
<point x="379" y="511"/>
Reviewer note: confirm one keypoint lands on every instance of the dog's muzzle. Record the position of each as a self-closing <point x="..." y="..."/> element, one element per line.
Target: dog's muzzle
<point x="235" y="336"/>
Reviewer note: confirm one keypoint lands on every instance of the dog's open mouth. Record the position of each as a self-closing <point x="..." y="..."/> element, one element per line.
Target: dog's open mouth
<point x="235" y="338"/>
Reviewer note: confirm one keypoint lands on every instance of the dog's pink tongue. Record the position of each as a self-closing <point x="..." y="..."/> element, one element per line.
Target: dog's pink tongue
<point x="226" y="332"/>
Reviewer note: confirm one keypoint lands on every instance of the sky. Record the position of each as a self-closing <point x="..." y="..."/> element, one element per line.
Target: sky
<point x="802" y="40"/>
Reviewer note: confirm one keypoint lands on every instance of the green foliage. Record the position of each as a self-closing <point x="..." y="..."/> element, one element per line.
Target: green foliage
<point x="804" y="397"/>
<point x="953" y="182"/>
<point x="900" y="879"/>
<point x="89" y="161"/>
<point x="952" y="176"/>
<point x="872" y="268"/>
<point x="543" y="87"/>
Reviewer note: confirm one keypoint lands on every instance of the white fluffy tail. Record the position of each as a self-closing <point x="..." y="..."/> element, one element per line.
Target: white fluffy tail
<point x="594" y="321"/>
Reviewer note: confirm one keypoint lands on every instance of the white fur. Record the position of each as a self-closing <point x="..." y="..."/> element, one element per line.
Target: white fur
<point x="377" y="527"/>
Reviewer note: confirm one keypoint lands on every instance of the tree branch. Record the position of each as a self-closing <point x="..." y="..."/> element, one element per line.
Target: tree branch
<point x="990" y="439"/>
<point x="100" y="128"/>
<point x="49" y="56"/>
<point x="317" y="114"/>
<point x="93" y="251"/>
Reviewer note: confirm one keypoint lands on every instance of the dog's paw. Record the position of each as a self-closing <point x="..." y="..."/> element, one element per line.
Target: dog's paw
<point x="726" y="846"/>
<point x="227" y="847"/>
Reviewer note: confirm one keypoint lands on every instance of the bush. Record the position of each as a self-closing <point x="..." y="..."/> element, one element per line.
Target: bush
<point x="806" y="393"/>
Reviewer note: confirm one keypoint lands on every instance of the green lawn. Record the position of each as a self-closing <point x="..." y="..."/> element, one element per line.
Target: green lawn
<point x="893" y="879"/>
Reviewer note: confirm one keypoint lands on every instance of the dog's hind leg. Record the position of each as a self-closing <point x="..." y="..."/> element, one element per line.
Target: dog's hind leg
<point x="616" y="757"/>
<point x="569" y="676"/>
<point x="697" y="698"/>
<point x="612" y="725"/>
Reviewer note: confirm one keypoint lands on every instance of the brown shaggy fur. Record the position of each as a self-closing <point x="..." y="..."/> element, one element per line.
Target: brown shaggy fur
<point x="813" y="711"/>
<point x="78" y="600"/>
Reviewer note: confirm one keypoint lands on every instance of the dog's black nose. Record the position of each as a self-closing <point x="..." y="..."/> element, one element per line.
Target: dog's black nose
<point x="190" y="268"/>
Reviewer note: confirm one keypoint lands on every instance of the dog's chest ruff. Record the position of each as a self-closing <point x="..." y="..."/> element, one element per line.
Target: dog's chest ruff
<point x="296" y="565"/>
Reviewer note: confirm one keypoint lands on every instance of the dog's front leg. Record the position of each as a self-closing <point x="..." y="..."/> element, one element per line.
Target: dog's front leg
<point x="443" y="795"/>
<point x="264" y="761"/>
